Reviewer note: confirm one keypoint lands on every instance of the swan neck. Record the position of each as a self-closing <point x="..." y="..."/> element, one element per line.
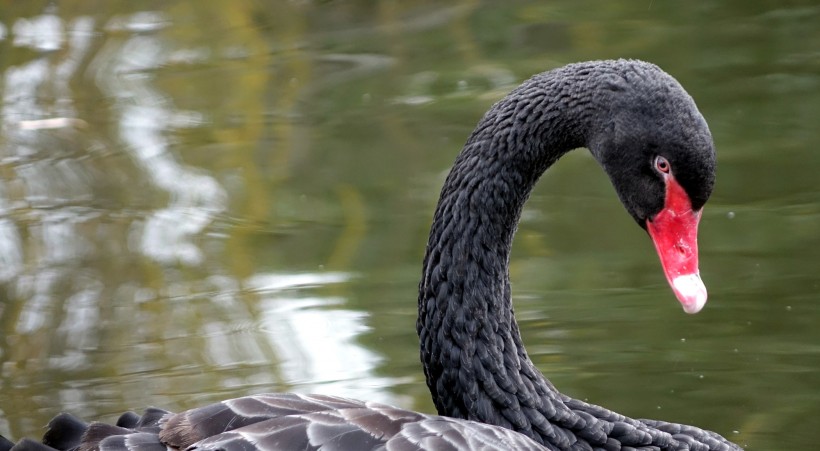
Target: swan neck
<point x="474" y="360"/>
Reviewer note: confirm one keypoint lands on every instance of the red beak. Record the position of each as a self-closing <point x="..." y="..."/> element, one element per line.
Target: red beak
<point x="675" y="233"/>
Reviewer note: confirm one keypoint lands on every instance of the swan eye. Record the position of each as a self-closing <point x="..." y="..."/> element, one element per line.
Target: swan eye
<point x="662" y="165"/>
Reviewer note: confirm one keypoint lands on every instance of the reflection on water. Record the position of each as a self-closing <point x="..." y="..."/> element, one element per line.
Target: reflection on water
<point x="146" y="118"/>
<point x="83" y="309"/>
<point x="185" y="194"/>
<point x="47" y="181"/>
<point x="315" y="339"/>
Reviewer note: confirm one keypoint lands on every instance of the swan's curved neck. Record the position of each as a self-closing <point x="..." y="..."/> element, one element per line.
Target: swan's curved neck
<point x="471" y="349"/>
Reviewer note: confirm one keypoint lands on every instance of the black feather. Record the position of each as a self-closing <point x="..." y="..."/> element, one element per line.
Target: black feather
<point x="31" y="445"/>
<point x="96" y="432"/>
<point x="64" y="432"/>
<point x="128" y="420"/>
<point x="140" y="441"/>
<point x="5" y="444"/>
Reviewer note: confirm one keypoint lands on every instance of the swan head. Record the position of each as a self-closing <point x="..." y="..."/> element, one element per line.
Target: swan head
<point x="658" y="152"/>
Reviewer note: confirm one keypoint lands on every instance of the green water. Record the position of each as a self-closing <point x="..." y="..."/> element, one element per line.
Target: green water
<point x="201" y="200"/>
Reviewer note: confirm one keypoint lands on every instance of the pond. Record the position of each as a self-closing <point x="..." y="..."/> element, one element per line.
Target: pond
<point x="202" y="200"/>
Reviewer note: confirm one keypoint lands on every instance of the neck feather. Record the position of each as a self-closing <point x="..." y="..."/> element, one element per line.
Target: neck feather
<point x="474" y="360"/>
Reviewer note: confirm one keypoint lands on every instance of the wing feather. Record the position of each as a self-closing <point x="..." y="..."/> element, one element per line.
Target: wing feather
<point x="280" y="422"/>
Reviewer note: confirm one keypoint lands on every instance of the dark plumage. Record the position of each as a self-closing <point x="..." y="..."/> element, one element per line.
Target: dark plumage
<point x="649" y="137"/>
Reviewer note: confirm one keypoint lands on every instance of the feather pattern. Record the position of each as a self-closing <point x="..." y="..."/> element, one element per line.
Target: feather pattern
<point x="289" y="421"/>
<point x="319" y="422"/>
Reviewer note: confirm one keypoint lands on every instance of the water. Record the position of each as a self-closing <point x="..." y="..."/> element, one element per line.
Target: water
<point x="202" y="201"/>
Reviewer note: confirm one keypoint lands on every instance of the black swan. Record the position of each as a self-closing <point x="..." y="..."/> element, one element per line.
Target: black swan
<point x="649" y="137"/>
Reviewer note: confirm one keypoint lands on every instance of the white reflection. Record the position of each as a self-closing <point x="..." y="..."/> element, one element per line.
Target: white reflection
<point x="277" y="282"/>
<point x="316" y="338"/>
<point x="37" y="290"/>
<point x="36" y="96"/>
<point x="82" y="313"/>
<point x="43" y="33"/>
<point x="11" y="256"/>
<point x="11" y="253"/>
<point x="61" y="243"/>
<point x="145" y="116"/>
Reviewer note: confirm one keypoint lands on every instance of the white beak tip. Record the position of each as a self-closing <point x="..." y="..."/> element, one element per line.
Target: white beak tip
<point x="690" y="292"/>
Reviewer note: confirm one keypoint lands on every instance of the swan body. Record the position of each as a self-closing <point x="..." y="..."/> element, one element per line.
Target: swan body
<point x="650" y="139"/>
